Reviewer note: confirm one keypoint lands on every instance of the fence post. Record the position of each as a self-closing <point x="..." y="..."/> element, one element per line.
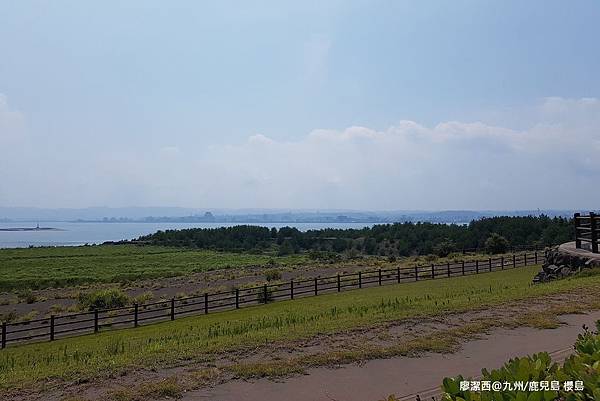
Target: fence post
<point x="379" y="276"/>
<point x="477" y="267"/>
<point x="398" y="267"/>
<point x="536" y="258"/>
<point x="172" y="308"/>
<point x="594" y="232"/>
<point x="3" y="335"/>
<point x="576" y="221"/>
<point x="432" y="271"/>
<point x="448" y="267"/>
<point x="525" y="256"/>
<point x="359" y="279"/>
<point x="206" y="303"/>
<point x="265" y="293"/>
<point x="135" y="315"/>
<point x="338" y="282"/>
<point x="416" y="273"/>
<point x="292" y="289"/>
<point x="316" y="287"/>
<point x="95" y="320"/>
<point x="462" y="265"/>
<point x="514" y="260"/>
<point x="502" y="262"/>
<point x="237" y="298"/>
<point x="51" y="327"/>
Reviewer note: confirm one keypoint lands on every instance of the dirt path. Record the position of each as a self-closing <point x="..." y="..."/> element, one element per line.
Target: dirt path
<point x="376" y="379"/>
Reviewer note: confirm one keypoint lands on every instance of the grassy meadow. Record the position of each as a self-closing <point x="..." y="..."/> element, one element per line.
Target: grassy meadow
<point x="202" y="337"/>
<point x="38" y="268"/>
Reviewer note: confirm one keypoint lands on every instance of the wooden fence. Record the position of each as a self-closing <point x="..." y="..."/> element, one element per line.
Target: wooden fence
<point x="60" y="326"/>
<point x="587" y="230"/>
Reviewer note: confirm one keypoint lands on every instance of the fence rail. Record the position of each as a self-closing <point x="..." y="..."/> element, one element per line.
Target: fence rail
<point x="61" y="326"/>
<point x="587" y="230"/>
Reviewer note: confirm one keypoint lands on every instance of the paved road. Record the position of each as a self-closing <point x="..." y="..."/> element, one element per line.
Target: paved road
<point x="403" y="376"/>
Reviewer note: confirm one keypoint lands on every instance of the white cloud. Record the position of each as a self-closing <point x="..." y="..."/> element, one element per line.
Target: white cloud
<point x="454" y="165"/>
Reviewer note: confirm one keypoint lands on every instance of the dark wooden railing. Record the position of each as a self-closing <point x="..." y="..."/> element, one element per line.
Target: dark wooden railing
<point x="61" y="326"/>
<point x="587" y="231"/>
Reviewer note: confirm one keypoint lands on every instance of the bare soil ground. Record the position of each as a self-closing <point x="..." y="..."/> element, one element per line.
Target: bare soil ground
<point x="403" y="357"/>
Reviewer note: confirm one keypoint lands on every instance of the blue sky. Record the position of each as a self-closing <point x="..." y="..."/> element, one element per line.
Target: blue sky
<point x="161" y="103"/>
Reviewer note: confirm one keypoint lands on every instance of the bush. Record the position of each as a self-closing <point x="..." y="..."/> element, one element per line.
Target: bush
<point x="103" y="299"/>
<point x="444" y="248"/>
<point x="272" y="274"/>
<point x="496" y="244"/>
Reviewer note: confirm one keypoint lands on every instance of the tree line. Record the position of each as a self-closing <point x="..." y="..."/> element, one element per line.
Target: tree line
<point x="494" y="234"/>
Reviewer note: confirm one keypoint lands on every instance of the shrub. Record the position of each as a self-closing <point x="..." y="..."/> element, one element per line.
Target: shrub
<point x="28" y="296"/>
<point x="444" y="248"/>
<point x="496" y="244"/>
<point x="272" y="274"/>
<point x="102" y="299"/>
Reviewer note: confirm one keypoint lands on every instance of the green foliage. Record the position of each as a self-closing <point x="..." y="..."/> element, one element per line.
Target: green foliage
<point x="583" y="366"/>
<point x="60" y="267"/>
<point x="496" y="244"/>
<point x="272" y="274"/>
<point x="403" y="239"/>
<point x="102" y="299"/>
<point x="286" y="248"/>
<point x="444" y="248"/>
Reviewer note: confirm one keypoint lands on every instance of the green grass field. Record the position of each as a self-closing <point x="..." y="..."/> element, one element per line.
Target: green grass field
<point x="67" y="266"/>
<point x="197" y="338"/>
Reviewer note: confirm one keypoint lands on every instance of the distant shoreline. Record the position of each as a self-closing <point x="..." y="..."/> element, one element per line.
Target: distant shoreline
<point x="13" y="229"/>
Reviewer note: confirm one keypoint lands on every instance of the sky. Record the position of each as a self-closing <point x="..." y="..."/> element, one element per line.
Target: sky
<point x="378" y="105"/>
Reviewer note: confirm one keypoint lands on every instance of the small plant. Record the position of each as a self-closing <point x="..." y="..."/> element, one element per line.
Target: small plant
<point x="272" y="274"/>
<point x="27" y="296"/>
<point x="102" y="299"/>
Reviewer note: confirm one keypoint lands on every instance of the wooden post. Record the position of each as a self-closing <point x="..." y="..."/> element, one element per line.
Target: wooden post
<point x="398" y="274"/>
<point x="525" y="256"/>
<point x="536" y="257"/>
<point x="316" y="287"/>
<point x="594" y="231"/>
<point x="502" y="262"/>
<point x="514" y="260"/>
<point x="416" y="273"/>
<point x="477" y="267"/>
<point x="490" y="263"/>
<point x="576" y="221"/>
<point x="359" y="279"/>
<point x="338" y="283"/>
<point x="95" y="320"/>
<point x="448" y="267"/>
<point x="172" y="308"/>
<point x="237" y="298"/>
<point x="265" y="294"/>
<point x="379" y="276"/>
<point x="432" y="271"/>
<point x="206" y="303"/>
<point x="135" y="315"/>
<point x="463" y="267"/>
<point x="51" y="327"/>
<point x="3" y="335"/>
<point x="291" y="289"/>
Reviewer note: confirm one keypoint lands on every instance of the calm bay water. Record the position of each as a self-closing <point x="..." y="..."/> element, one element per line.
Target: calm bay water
<point x="72" y="234"/>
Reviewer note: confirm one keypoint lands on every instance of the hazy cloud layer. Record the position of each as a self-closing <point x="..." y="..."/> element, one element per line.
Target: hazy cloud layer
<point x="555" y="163"/>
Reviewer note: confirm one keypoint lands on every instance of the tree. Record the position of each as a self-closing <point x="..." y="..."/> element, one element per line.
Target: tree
<point x="286" y="248"/>
<point x="496" y="244"/>
<point x="444" y="248"/>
